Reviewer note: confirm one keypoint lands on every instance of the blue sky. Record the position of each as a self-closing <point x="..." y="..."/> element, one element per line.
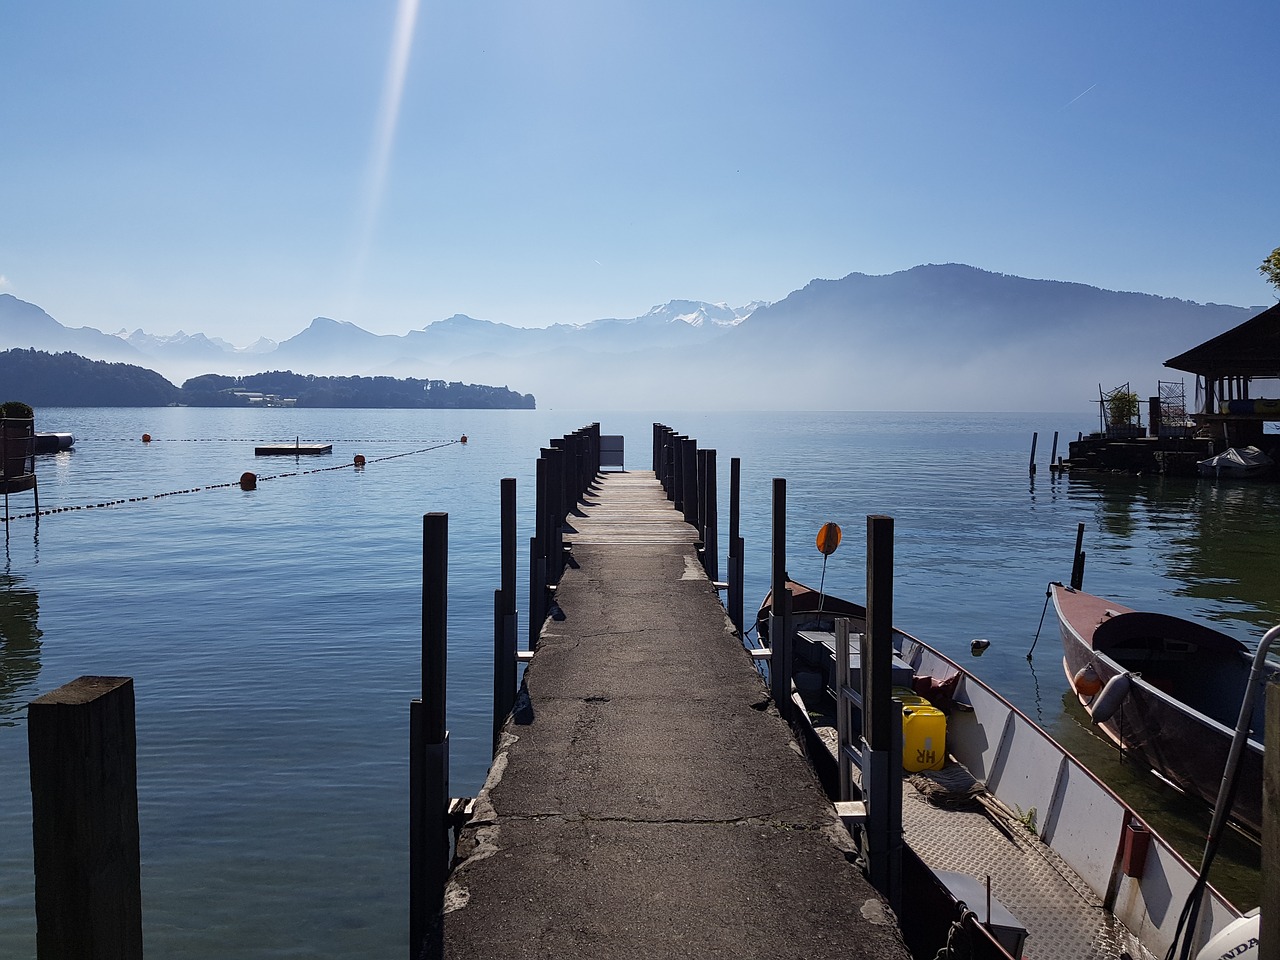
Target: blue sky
<point x="227" y="167"/>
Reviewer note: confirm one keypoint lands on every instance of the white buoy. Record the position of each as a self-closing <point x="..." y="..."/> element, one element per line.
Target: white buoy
<point x="1109" y="700"/>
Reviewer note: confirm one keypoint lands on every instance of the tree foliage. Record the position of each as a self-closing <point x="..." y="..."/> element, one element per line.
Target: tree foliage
<point x="1270" y="268"/>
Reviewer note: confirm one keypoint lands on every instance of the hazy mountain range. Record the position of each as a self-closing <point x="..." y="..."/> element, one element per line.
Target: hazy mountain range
<point x="935" y="337"/>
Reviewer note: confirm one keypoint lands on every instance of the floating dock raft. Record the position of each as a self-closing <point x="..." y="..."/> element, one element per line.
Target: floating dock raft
<point x="294" y="449"/>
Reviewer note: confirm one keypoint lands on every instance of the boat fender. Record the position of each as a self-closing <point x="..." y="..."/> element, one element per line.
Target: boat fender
<point x="1109" y="700"/>
<point x="1237" y="941"/>
<point x="1086" y="682"/>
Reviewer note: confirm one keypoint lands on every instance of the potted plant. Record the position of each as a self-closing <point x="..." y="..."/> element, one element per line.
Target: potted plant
<point x="17" y="433"/>
<point x="1122" y="410"/>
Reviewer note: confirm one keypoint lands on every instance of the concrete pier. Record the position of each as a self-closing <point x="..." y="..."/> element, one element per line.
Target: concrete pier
<point x="646" y="799"/>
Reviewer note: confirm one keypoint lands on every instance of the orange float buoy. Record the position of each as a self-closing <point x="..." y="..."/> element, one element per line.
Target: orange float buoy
<point x="248" y="481"/>
<point x="1086" y="681"/>
<point x="146" y="438"/>
<point x="828" y="539"/>
<point x="464" y="438"/>
<point x="359" y="460"/>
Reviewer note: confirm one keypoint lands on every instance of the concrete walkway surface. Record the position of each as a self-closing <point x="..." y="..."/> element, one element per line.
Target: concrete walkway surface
<point x="647" y="800"/>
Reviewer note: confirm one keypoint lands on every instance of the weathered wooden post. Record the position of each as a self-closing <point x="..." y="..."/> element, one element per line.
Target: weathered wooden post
<point x="553" y="518"/>
<point x="84" y="820"/>
<point x="1269" y="933"/>
<point x="690" y="484"/>
<point x="736" y="566"/>
<point x="504" y="617"/>
<point x="882" y="719"/>
<point x="657" y="450"/>
<point x="538" y="555"/>
<point x="780" y="618"/>
<point x="710" y="523"/>
<point x="429" y="752"/>
<point x="668" y="470"/>
<point x="1077" y="560"/>
<point x="700" y="506"/>
<point x="1034" y="438"/>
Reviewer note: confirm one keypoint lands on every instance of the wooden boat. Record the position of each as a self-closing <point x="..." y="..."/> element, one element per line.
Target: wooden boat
<point x="1115" y="887"/>
<point x="1168" y="691"/>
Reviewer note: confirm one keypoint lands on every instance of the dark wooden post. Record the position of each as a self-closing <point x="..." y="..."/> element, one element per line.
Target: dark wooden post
<point x="657" y="447"/>
<point x="710" y="523"/>
<point x="429" y="751"/>
<point x="882" y="719"/>
<point x="690" y="485"/>
<point x="84" y="820"/>
<point x="700" y="504"/>
<point x="538" y="556"/>
<point x="1269" y="933"/>
<point x="504" y="617"/>
<point x="556" y="513"/>
<point x="677" y="472"/>
<point x="668" y="469"/>
<point x="1077" y="560"/>
<point x="736" y="585"/>
<point x="780" y="618"/>
<point x="1034" y="438"/>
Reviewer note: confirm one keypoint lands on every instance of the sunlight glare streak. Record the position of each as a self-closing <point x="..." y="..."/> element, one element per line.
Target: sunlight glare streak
<point x="383" y="142"/>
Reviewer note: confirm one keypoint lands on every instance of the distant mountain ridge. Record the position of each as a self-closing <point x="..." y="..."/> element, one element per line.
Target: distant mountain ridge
<point x="937" y="336"/>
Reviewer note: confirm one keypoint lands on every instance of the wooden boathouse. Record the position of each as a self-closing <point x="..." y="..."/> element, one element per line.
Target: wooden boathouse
<point x="1234" y="372"/>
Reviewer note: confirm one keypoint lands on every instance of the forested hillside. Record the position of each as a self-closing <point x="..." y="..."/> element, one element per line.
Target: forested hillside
<point x="69" y="380"/>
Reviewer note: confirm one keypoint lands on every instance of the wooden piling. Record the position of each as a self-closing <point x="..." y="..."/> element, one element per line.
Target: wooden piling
<point x="736" y="565"/>
<point x="780" y="664"/>
<point x="429" y="751"/>
<point x="882" y="719"/>
<point x="1077" y="560"/>
<point x="1034" y="438"/>
<point x="84" y="820"/>
<point x="505" y="618"/>
<point x="689" y="482"/>
<point x="710" y="523"/>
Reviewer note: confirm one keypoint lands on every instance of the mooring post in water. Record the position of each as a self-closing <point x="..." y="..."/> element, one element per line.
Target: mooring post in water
<point x="1034" y="438"/>
<point x="710" y="523"/>
<point x="735" y="573"/>
<point x="882" y="719"/>
<point x="84" y="820"/>
<point x="689" y="486"/>
<point x="558" y="509"/>
<point x="504" y="617"/>
<point x="429" y="751"/>
<point x="538" y="555"/>
<point x="780" y="616"/>
<point x="1053" y="454"/>
<point x="1077" y="560"/>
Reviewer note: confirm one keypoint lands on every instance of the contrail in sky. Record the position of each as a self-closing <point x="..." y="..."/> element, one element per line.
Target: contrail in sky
<point x="383" y="142"/>
<point x="1079" y="95"/>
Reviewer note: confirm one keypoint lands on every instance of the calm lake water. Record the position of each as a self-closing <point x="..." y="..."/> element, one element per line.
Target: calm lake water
<point x="274" y="635"/>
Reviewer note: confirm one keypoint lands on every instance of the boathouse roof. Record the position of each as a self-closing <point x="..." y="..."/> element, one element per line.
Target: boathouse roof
<point x="1251" y="349"/>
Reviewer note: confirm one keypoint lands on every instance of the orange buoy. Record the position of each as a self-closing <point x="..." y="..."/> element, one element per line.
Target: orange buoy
<point x="146" y="438"/>
<point x="359" y="460"/>
<point x="1086" y="681"/>
<point x="248" y="481"/>
<point x="464" y="438"/>
<point x="828" y="539"/>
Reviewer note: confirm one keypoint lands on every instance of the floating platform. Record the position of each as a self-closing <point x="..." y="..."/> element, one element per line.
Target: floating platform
<point x="53" y="442"/>
<point x="292" y="449"/>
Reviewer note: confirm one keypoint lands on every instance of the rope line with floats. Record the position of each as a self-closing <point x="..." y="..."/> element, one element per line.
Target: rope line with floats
<point x="247" y="481"/>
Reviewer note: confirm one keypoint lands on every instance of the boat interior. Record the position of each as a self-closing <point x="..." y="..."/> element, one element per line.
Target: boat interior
<point x="1194" y="664"/>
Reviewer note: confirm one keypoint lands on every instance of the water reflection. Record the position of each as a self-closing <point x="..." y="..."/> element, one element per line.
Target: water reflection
<point x="19" y="645"/>
<point x="1215" y="539"/>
